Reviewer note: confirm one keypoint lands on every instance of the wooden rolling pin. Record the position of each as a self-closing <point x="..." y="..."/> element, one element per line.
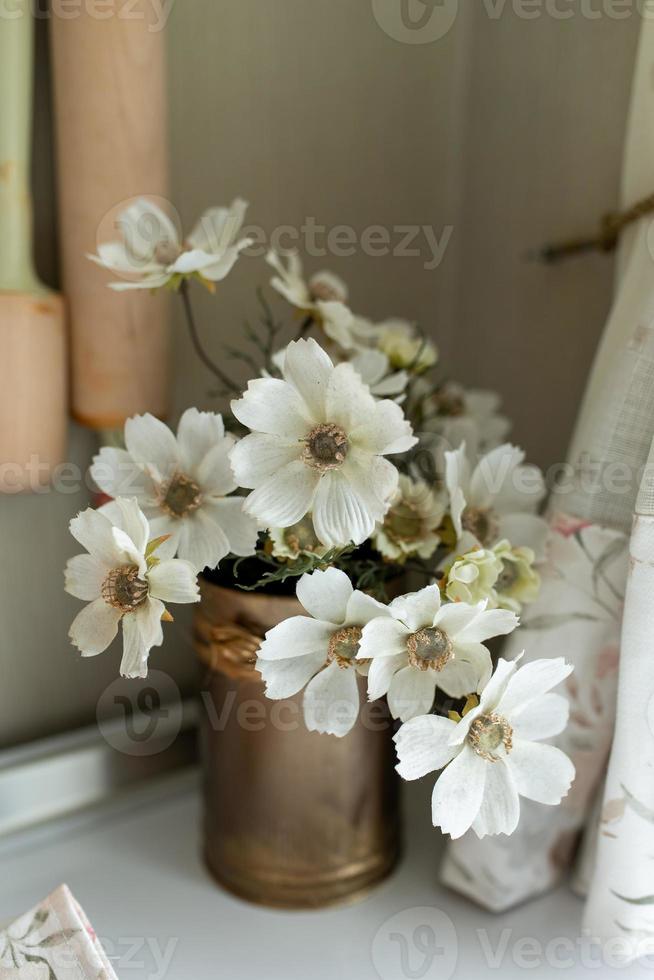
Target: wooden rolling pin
<point x="33" y="390"/>
<point x="109" y="79"/>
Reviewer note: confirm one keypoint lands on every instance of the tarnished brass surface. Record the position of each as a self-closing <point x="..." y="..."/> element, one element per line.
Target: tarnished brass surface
<point x="293" y="819"/>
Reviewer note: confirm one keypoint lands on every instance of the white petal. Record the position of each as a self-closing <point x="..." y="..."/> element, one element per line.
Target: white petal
<point x="459" y="678"/>
<point x="417" y="609"/>
<point x="457" y="477"/>
<point x="544" y="717"/>
<point x="192" y="260"/>
<point x="493" y="475"/>
<point x="94" y="627"/>
<point x="541" y="772"/>
<point x="525" y="530"/>
<point x="215" y="474"/>
<point x="241" y="529"/>
<point x="531" y="681"/>
<point x="454" y="617"/>
<point x="384" y="430"/>
<point x="115" y="473"/>
<point x="523" y="492"/>
<point x="218" y="227"/>
<point x="152" y="445"/>
<point x="374" y="480"/>
<point x="145" y="226"/>
<point x="273" y="406"/>
<point x="173" y="581"/>
<point x="84" y="576"/>
<point x="219" y="270"/>
<point x="383" y="637"/>
<point x="331" y="701"/>
<point x="197" y="433"/>
<point x="340" y="515"/>
<point x="380" y="674"/>
<point x="94" y="531"/>
<point x="349" y="401"/>
<point x="202" y="541"/>
<point x="458" y="793"/>
<point x="371" y="365"/>
<point x="126" y="515"/>
<point x="422" y="746"/>
<point x="258" y="456"/>
<point x="308" y="368"/>
<point x="284" y="678"/>
<point x="150" y="282"/>
<point x="284" y="498"/>
<point x="297" y="636"/>
<point x="325" y="594"/>
<point x="488" y="623"/>
<point x="500" y="806"/>
<point x="166" y="525"/>
<point x="130" y="554"/>
<point x="362" y="609"/>
<point x="337" y="322"/>
<point x="411" y="693"/>
<point x="134" y="662"/>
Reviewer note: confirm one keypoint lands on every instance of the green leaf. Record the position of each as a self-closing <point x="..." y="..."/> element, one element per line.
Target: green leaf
<point x="639" y="808"/>
<point x="611" y="552"/>
<point x="57" y="938"/>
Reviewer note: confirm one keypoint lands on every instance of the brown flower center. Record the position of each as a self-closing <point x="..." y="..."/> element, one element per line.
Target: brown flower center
<point x="486" y="735"/>
<point x="480" y="522"/>
<point x="123" y="588"/>
<point x="429" y="648"/>
<point x="166" y="252"/>
<point x="326" y="447"/>
<point x="344" y="646"/>
<point x="301" y="536"/>
<point x="180" y="496"/>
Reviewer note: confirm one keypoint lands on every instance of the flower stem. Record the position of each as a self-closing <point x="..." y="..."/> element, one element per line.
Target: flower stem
<point x="197" y="343"/>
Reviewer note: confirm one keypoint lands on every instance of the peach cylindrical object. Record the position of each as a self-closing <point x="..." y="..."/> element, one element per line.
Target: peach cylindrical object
<point x="109" y="81"/>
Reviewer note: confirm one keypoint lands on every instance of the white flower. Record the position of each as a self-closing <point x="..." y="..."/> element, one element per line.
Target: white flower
<point x="493" y="754"/>
<point x="151" y="254"/>
<point x="123" y="581"/>
<point x="469" y="416"/>
<point x="182" y="485"/>
<point x="518" y="582"/>
<point x="403" y="346"/>
<point x="497" y="499"/>
<point x="424" y="645"/>
<point x="319" y="650"/>
<point x="323" y="297"/>
<point x="374" y="369"/>
<point x="411" y="524"/>
<point x="472" y="576"/>
<point x="318" y="446"/>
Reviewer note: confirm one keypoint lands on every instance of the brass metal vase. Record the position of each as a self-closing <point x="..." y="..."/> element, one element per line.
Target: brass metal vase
<point x="293" y="819"/>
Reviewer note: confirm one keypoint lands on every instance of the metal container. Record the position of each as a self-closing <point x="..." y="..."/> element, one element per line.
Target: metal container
<point x="293" y="819"/>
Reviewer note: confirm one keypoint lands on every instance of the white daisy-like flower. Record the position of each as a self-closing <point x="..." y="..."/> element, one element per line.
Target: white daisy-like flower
<point x="374" y="369"/>
<point x="424" y="645"/>
<point x="182" y="484"/>
<point x="411" y="524"/>
<point x="318" y="445"/>
<point x="497" y="499"/>
<point x="320" y="651"/>
<point x="323" y="297"/>
<point x="151" y="254"/>
<point x="403" y="346"/>
<point x="493" y="755"/>
<point x="123" y="581"/>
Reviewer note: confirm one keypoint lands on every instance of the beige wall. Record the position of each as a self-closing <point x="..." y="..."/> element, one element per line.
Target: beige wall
<point x="507" y="129"/>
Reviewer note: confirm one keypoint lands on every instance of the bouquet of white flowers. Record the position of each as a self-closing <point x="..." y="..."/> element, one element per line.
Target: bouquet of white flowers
<point x="341" y="444"/>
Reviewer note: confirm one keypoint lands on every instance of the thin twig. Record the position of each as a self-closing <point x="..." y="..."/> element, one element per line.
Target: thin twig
<point x="197" y="343"/>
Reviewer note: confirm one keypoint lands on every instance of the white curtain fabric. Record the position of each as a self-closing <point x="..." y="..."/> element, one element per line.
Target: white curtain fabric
<point x="579" y="611"/>
<point x="621" y="898"/>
